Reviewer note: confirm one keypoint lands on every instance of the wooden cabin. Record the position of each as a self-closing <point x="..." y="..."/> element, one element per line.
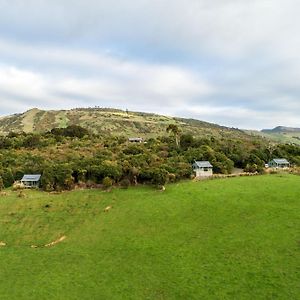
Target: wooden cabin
<point x="202" y="169"/>
<point x="135" y="140"/>
<point x="31" y="180"/>
<point x="279" y="163"/>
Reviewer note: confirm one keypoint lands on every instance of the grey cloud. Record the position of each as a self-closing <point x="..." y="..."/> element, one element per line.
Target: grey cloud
<point x="231" y="62"/>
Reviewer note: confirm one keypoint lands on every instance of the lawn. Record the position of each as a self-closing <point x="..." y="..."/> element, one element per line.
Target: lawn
<point x="235" y="238"/>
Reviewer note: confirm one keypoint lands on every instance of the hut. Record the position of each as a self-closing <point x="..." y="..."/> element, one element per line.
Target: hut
<point x="31" y="180"/>
<point x="202" y="169"/>
<point x="135" y="140"/>
<point x="279" y="163"/>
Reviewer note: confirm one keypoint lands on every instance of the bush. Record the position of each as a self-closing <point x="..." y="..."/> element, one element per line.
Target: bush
<point x="107" y="182"/>
<point x="7" y="177"/>
<point x="125" y="183"/>
<point x="1" y="184"/>
<point x="159" y="177"/>
<point x="18" y="186"/>
<point x="171" y="177"/>
<point x="21" y="194"/>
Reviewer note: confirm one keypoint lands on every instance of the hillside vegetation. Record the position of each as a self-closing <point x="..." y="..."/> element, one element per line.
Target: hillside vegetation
<point x="72" y="156"/>
<point x="279" y="134"/>
<point x="220" y="239"/>
<point x="110" y="121"/>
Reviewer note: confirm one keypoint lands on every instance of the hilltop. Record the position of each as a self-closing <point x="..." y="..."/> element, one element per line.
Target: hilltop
<point x="283" y="134"/>
<point x="279" y="134"/>
<point x="111" y="121"/>
<point x="281" y="129"/>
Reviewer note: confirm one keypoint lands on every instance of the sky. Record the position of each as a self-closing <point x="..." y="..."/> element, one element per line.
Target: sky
<point x="231" y="62"/>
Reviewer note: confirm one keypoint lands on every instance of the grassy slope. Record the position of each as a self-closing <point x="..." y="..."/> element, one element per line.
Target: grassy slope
<point x="110" y="121"/>
<point x="224" y="239"/>
<point x="282" y="137"/>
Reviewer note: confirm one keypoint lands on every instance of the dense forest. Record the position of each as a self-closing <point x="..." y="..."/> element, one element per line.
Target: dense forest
<point x="73" y="156"/>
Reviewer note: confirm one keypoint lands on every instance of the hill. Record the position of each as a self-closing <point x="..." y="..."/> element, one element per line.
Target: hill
<point x="279" y="134"/>
<point x="283" y="134"/>
<point x="110" y="121"/>
<point x="217" y="239"/>
<point x="282" y="129"/>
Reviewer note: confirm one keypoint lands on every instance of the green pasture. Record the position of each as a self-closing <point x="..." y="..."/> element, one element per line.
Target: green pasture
<point x="235" y="238"/>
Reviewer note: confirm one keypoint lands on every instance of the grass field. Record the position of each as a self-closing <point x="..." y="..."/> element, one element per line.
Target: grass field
<point x="233" y="238"/>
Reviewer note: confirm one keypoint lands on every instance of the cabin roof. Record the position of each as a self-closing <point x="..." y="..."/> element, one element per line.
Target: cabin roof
<point x="135" y="139"/>
<point x="31" y="177"/>
<point x="203" y="164"/>
<point x="280" y="161"/>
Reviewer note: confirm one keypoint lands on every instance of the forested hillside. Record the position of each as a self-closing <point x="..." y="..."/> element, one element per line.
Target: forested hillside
<point x="74" y="156"/>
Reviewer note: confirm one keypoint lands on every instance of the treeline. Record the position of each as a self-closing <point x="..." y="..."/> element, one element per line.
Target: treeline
<point x="73" y="156"/>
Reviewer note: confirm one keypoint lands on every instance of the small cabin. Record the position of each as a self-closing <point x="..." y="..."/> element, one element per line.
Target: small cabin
<point x="135" y="140"/>
<point x="202" y="169"/>
<point x="279" y="163"/>
<point x="31" y="180"/>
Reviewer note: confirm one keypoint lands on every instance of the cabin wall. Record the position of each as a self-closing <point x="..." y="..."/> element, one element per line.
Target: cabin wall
<point x="278" y="166"/>
<point x="203" y="173"/>
<point x="31" y="184"/>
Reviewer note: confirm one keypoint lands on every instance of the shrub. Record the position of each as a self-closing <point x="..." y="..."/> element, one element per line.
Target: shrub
<point x="1" y="184"/>
<point x="159" y="177"/>
<point x="7" y="177"/>
<point x="171" y="177"/>
<point x="21" y="194"/>
<point x="18" y="186"/>
<point x="125" y="183"/>
<point x="107" y="182"/>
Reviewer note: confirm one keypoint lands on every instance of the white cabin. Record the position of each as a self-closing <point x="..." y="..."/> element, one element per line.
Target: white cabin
<point x="31" y="180"/>
<point x="279" y="163"/>
<point x="202" y="169"/>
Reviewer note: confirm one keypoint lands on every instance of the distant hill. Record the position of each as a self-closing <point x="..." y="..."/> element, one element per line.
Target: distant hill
<point x="112" y="121"/>
<point x="280" y="134"/>
<point x="282" y="129"/>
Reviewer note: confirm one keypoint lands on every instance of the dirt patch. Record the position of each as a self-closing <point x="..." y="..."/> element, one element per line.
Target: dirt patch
<point x="108" y="208"/>
<point x="56" y="241"/>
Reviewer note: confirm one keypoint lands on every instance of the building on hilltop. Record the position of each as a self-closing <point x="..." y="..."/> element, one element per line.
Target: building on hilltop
<point x="279" y="163"/>
<point x="135" y="140"/>
<point x="31" y="180"/>
<point x="202" y="169"/>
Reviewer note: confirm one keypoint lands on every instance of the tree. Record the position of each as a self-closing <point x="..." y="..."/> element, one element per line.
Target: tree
<point x="186" y="141"/>
<point x="159" y="176"/>
<point x="7" y="177"/>
<point x="175" y="131"/>
<point x="32" y="141"/>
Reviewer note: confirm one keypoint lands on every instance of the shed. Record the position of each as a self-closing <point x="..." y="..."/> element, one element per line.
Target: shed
<point x="202" y="168"/>
<point x="135" y="140"/>
<point x="279" y="163"/>
<point x="31" y="180"/>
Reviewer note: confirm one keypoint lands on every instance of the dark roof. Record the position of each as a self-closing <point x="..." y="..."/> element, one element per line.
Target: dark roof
<point x="31" y="177"/>
<point x="280" y="161"/>
<point x="203" y="164"/>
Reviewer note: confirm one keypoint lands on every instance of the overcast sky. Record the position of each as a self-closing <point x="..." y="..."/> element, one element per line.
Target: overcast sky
<point x="231" y="62"/>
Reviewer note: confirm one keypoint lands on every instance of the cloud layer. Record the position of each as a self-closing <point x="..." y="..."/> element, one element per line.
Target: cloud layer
<point x="230" y="62"/>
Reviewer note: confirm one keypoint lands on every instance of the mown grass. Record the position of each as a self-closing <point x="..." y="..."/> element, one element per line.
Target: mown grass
<point x="233" y="238"/>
